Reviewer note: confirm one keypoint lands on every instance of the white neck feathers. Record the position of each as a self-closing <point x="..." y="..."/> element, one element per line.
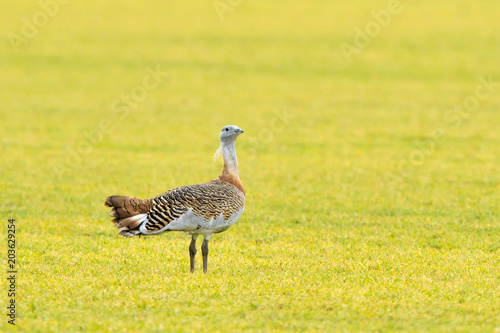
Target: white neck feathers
<point x="230" y="159"/>
<point x="230" y="172"/>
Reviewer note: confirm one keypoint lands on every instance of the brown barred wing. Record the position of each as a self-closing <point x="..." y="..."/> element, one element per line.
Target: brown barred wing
<point x="208" y="200"/>
<point x="168" y="207"/>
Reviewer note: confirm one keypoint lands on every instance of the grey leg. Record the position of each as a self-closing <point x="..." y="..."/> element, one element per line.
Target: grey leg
<point x="204" y="252"/>
<point x="192" y="251"/>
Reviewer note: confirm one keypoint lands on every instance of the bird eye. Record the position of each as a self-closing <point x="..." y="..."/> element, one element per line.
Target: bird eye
<point x="227" y="129"/>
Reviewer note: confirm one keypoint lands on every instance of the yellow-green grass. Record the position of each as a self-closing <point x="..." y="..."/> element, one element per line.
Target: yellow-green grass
<point x="335" y="237"/>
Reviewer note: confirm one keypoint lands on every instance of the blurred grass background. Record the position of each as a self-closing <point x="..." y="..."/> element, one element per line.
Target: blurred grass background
<point x="332" y="237"/>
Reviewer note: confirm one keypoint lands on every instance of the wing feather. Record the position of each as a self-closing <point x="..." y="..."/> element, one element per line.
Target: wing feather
<point x="208" y="200"/>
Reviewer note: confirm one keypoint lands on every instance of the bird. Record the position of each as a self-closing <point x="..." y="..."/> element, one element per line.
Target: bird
<point x="200" y="209"/>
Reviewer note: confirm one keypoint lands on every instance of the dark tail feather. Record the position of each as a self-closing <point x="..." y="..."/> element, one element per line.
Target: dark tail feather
<point x="128" y="212"/>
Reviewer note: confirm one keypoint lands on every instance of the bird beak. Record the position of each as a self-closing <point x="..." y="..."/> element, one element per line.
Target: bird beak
<point x="240" y="131"/>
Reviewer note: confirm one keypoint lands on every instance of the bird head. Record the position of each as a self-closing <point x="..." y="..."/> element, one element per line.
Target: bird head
<point x="230" y="133"/>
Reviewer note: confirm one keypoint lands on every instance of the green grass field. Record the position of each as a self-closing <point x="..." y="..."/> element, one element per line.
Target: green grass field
<point x="372" y="200"/>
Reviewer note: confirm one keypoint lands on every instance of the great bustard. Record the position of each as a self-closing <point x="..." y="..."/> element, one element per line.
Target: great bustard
<point x="201" y="209"/>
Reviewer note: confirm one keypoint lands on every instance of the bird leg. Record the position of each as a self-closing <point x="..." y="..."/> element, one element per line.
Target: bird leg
<point x="192" y="251"/>
<point x="204" y="252"/>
